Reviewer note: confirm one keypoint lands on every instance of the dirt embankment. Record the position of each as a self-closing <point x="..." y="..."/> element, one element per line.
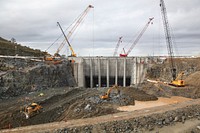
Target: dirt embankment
<point x="162" y="72"/>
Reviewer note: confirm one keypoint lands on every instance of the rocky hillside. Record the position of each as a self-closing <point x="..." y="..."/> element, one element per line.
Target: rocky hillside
<point x="12" y="48"/>
<point x="18" y="76"/>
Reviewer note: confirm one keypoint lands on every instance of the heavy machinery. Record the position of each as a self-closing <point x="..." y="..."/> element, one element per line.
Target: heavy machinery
<point x="117" y="46"/>
<point x="73" y="53"/>
<point x="179" y="82"/>
<point x="31" y="109"/>
<point x="56" y="57"/>
<point x="175" y="80"/>
<point x="79" y="20"/>
<point x="107" y="94"/>
<point x="137" y="39"/>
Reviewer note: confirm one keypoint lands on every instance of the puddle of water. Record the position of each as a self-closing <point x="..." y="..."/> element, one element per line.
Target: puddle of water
<point x="148" y="104"/>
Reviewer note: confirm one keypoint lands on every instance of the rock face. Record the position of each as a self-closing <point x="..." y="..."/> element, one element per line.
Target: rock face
<point x="19" y="76"/>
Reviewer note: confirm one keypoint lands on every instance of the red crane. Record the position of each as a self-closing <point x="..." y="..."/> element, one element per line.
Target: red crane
<point x="137" y="39"/>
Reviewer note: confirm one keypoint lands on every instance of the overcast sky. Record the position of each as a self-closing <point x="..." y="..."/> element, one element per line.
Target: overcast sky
<point x="33" y="23"/>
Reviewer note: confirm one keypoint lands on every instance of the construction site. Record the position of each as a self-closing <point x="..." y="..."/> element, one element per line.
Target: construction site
<point x="44" y="93"/>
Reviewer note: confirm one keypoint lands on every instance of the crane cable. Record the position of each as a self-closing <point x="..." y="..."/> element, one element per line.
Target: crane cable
<point x="64" y="31"/>
<point x="75" y="32"/>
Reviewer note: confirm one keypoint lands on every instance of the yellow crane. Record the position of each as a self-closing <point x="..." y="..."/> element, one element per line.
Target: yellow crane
<point x="79" y="20"/>
<point x="56" y="57"/>
<point x="73" y="53"/>
<point x="179" y="82"/>
<point x="176" y="81"/>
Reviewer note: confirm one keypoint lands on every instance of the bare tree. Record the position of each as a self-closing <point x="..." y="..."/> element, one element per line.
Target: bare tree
<point x="13" y="40"/>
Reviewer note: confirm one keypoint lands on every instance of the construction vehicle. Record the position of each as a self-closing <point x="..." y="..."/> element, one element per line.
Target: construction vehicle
<point x="56" y="56"/>
<point x="107" y="94"/>
<point x="31" y="110"/>
<point x="79" y="20"/>
<point x="73" y="53"/>
<point x="117" y="46"/>
<point x="137" y="39"/>
<point x="175" y="80"/>
<point x="179" y="82"/>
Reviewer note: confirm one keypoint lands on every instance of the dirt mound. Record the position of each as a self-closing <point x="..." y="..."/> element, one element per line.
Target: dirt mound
<point x="193" y="79"/>
<point x="164" y="90"/>
<point x="162" y="71"/>
<point x="137" y="94"/>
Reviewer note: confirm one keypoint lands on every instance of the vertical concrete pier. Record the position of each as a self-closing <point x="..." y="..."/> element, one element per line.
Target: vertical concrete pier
<point x="106" y="71"/>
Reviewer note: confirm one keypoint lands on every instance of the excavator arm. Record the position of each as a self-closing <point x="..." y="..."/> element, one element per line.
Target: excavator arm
<point x="107" y="94"/>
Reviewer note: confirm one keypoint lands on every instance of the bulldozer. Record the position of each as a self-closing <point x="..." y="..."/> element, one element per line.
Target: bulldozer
<point x="107" y="94"/>
<point x="31" y="110"/>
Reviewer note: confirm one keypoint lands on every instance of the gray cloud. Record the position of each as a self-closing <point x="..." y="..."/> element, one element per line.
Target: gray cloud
<point x="33" y="23"/>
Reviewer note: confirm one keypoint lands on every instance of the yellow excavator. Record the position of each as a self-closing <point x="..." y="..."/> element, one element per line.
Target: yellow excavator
<point x="31" y="109"/>
<point x="107" y="94"/>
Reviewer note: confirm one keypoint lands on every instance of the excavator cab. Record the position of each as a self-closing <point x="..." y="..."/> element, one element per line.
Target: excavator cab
<point x="31" y="109"/>
<point x="179" y="82"/>
<point x="107" y="94"/>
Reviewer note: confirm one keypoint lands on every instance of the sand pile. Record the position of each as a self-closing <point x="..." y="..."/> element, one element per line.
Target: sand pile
<point x="193" y="79"/>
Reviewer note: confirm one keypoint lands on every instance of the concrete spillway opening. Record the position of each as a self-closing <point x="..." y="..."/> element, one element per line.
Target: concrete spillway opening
<point x="104" y="81"/>
<point x="87" y="81"/>
<point x="95" y="81"/>
<point x="128" y="81"/>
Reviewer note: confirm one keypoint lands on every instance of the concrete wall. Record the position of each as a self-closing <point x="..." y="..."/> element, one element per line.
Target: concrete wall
<point x="107" y="71"/>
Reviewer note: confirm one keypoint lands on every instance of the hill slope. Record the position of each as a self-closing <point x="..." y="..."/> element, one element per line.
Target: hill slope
<point x="9" y="48"/>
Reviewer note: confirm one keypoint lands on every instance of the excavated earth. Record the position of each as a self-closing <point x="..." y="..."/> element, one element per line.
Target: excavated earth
<point x="62" y="102"/>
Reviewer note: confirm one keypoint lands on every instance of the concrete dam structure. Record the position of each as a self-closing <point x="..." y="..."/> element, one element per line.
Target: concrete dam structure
<point x="106" y="71"/>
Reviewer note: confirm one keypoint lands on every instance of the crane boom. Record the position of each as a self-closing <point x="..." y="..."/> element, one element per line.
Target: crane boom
<point x="117" y="46"/>
<point x="176" y="81"/>
<point x="168" y="38"/>
<point x="73" y="53"/>
<point x="80" y="19"/>
<point x="137" y="39"/>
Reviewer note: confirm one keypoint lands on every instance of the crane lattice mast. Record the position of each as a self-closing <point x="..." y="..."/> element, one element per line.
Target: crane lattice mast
<point x="137" y="39"/>
<point x="80" y="19"/>
<point x="140" y="35"/>
<point x="117" y="46"/>
<point x="168" y="37"/>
